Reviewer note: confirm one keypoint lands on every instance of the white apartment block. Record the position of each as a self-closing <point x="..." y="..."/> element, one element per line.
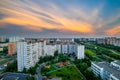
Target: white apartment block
<point x="80" y="52"/>
<point x="106" y="70"/>
<point x="29" y="51"/>
<point x="50" y="49"/>
<point x="64" y="48"/>
<point x="59" y="48"/>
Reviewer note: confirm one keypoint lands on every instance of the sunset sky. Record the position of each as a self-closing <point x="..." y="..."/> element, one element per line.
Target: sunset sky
<point x="60" y="18"/>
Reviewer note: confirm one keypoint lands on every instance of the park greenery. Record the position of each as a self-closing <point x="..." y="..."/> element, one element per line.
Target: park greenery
<point x="90" y="54"/>
<point x="84" y="66"/>
<point x="67" y="73"/>
<point x="102" y="53"/>
<point x="117" y="48"/>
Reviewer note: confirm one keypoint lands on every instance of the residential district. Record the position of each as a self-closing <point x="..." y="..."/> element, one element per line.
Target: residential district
<point x="59" y="58"/>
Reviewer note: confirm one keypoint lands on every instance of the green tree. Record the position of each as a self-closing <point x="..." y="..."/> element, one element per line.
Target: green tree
<point x="56" y="53"/>
<point x="89" y="75"/>
<point x="11" y="67"/>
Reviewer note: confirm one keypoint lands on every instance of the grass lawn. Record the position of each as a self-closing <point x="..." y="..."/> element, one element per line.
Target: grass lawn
<point x="52" y="68"/>
<point x="67" y="73"/>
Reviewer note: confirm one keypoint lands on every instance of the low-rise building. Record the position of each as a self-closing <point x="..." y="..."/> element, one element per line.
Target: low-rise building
<point x="116" y="64"/>
<point x="105" y="70"/>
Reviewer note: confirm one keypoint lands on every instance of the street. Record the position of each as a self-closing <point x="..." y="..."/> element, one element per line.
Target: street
<point x="38" y="71"/>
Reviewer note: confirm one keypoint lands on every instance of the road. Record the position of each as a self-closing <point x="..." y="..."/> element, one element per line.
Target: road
<point x="38" y="71"/>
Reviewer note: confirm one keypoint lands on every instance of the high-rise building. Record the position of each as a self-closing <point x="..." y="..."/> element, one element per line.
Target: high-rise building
<point x="29" y="51"/>
<point x="80" y="52"/>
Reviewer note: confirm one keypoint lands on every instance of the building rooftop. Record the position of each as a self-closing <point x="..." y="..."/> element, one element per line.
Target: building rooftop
<point x="14" y="76"/>
<point x="117" y="62"/>
<point x="109" y="68"/>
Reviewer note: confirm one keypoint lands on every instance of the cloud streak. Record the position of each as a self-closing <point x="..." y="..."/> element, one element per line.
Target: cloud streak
<point x="38" y="15"/>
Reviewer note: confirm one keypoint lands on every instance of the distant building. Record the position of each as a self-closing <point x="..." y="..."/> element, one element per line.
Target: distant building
<point x="14" y="76"/>
<point x="29" y="51"/>
<point x="101" y="41"/>
<point x="1" y="49"/>
<point x="65" y="40"/>
<point x="3" y="44"/>
<point x="12" y="48"/>
<point x="15" y="39"/>
<point x="109" y="41"/>
<point x="106" y="70"/>
<point x="2" y="39"/>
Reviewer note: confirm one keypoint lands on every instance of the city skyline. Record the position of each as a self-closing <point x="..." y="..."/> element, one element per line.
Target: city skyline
<point x="60" y="18"/>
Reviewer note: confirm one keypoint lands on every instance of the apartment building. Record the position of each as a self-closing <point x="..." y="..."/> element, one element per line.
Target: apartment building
<point x="106" y="70"/>
<point x="80" y="52"/>
<point x="29" y="51"/>
<point x="50" y="49"/>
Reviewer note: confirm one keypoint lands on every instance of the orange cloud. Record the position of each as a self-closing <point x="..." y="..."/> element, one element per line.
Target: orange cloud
<point x="35" y="18"/>
<point x="113" y="31"/>
<point x="76" y="26"/>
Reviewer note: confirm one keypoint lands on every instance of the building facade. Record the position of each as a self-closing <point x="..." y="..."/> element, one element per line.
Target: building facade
<point x="29" y="51"/>
<point x="106" y="70"/>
